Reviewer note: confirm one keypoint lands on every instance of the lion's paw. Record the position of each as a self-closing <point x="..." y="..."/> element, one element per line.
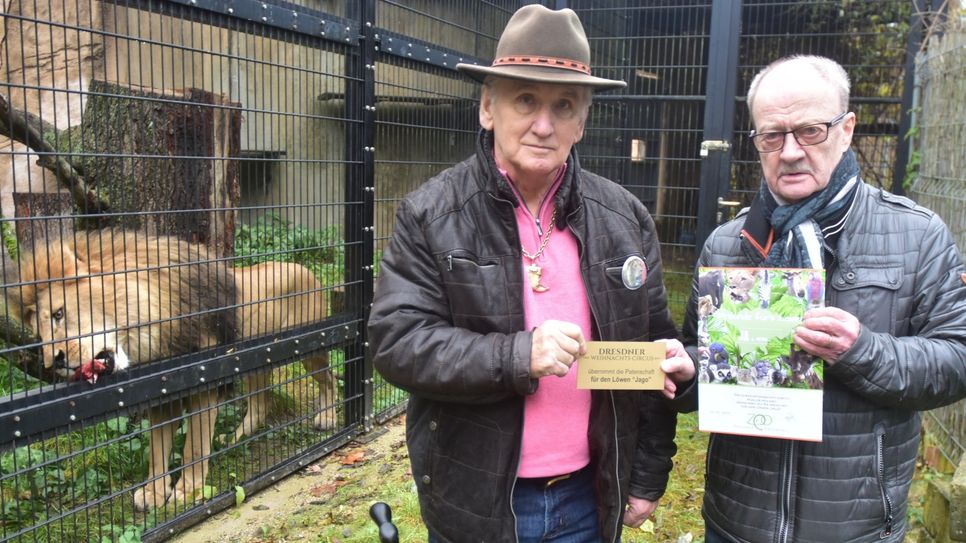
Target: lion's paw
<point x="326" y="420"/>
<point x="150" y="496"/>
<point x="185" y="493"/>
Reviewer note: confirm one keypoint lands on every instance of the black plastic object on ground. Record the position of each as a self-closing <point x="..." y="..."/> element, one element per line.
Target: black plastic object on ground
<point x="382" y="515"/>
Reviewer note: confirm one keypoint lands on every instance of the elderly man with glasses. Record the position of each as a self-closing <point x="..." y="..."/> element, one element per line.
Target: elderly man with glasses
<point x="892" y="334"/>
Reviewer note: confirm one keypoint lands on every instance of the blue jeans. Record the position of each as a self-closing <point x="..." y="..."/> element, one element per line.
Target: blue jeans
<point x="563" y="512"/>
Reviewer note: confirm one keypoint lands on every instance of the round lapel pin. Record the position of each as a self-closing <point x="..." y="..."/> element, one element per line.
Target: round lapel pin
<point x="634" y="272"/>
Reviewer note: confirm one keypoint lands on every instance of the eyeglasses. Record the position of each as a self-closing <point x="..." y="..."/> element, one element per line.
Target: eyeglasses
<point x="810" y="134"/>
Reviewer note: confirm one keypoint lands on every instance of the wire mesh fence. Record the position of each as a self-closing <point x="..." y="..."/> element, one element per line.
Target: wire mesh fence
<point x="196" y="195"/>
<point x="869" y="40"/>
<point x="425" y="117"/>
<point x="646" y="137"/>
<point x="174" y="222"/>
<point x="940" y="136"/>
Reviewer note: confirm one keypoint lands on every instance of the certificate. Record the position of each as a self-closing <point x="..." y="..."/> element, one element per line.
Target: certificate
<point x="752" y="378"/>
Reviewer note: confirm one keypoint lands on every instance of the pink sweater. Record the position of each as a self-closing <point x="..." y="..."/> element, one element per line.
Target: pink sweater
<point x="555" y="417"/>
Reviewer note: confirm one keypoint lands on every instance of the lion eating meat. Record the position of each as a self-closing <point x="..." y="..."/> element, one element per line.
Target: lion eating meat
<point x="104" y="300"/>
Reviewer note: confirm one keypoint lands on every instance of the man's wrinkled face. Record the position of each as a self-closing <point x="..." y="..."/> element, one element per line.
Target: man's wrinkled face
<point x="534" y="125"/>
<point x="789" y="99"/>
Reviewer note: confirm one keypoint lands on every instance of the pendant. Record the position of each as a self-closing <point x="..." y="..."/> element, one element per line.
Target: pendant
<point x="534" y="272"/>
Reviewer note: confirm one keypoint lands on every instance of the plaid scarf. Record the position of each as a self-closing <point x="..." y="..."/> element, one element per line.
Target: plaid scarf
<point x="793" y="235"/>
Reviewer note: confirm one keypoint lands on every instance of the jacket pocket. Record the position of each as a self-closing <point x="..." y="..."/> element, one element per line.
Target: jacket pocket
<point x="466" y="279"/>
<point x="621" y="302"/>
<point x="469" y="467"/>
<point x="869" y="286"/>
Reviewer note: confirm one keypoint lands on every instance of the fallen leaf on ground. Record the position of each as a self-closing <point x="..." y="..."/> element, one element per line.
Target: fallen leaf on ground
<point x="353" y="457"/>
<point x="325" y="489"/>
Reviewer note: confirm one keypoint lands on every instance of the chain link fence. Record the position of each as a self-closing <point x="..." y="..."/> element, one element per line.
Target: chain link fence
<point x="941" y="182"/>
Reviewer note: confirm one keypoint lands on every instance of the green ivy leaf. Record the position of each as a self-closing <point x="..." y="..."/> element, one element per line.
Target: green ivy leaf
<point x="131" y="535"/>
<point x="118" y="425"/>
<point x="239" y="495"/>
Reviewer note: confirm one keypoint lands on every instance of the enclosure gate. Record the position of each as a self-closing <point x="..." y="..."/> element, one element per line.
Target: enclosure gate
<point x="278" y="138"/>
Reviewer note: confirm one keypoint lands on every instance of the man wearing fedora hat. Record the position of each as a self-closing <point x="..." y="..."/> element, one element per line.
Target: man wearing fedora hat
<point x="499" y="270"/>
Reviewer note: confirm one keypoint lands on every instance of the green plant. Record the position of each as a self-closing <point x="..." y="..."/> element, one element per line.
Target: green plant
<point x="13" y="379"/>
<point x="43" y="479"/>
<point x="111" y="533"/>
<point x="272" y="238"/>
<point x="9" y="239"/>
<point x="915" y="157"/>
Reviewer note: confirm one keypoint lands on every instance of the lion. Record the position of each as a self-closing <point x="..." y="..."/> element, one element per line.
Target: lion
<point x="126" y="298"/>
<point x="276" y="296"/>
<point x="740" y="283"/>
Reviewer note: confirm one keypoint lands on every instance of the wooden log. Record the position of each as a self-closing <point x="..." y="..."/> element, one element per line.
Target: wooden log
<point x="49" y="214"/>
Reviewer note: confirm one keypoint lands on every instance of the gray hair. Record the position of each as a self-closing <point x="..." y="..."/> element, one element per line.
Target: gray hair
<point x="826" y="69"/>
<point x="585" y="94"/>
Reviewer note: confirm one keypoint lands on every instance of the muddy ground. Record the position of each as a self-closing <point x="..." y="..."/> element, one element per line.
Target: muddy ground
<point x="329" y="500"/>
<point x="300" y="508"/>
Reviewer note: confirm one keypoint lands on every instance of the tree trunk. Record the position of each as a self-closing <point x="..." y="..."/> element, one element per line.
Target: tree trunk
<point x="164" y="161"/>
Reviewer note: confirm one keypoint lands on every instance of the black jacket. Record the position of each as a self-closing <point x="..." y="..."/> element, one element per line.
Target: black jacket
<point x="447" y="325"/>
<point x="897" y="269"/>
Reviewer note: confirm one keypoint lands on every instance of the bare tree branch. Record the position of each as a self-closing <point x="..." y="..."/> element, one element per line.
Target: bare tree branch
<point x="29" y="129"/>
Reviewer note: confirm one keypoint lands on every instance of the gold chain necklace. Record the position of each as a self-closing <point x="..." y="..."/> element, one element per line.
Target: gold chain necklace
<point x="533" y="270"/>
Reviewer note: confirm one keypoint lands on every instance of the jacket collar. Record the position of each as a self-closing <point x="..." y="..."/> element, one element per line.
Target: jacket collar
<point x="494" y="183"/>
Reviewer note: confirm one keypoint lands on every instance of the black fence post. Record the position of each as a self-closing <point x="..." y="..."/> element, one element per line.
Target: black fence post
<point x="719" y="113"/>
<point x="360" y="183"/>
<point x="913" y="43"/>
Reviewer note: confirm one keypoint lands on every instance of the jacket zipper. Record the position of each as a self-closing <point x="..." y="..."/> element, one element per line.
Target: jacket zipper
<point x="617" y="458"/>
<point x="880" y="478"/>
<point x="513" y="514"/>
<point x="785" y="499"/>
<point x="786" y="469"/>
<point x="613" y="405"/>
<point x="513" y="487"/>
<point x="540" y="208"/>
<point x="520" y="200"/>
<point x="708" y="457"/>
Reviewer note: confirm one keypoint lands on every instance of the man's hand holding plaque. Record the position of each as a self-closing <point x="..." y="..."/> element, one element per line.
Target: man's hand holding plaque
<point x="635" y="365"/>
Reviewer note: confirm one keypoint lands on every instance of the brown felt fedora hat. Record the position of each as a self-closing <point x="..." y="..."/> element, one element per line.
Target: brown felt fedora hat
<point x="543" y="45"/>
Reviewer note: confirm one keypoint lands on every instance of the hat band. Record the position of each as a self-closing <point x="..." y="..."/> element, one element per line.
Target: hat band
<point x="564" y="63"/>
